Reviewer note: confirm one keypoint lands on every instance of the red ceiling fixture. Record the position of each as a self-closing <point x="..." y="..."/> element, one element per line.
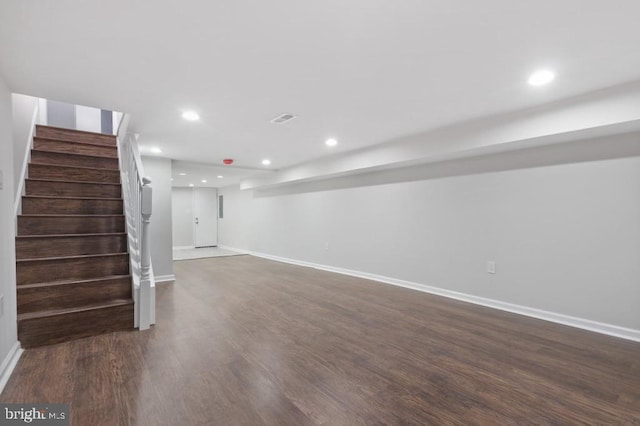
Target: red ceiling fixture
<point x="227" y="161"/>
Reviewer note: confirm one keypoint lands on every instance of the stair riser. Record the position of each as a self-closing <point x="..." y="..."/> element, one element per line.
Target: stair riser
<point x="70" y="206"/>
<point x="40" y="271"/>
<point x="69" y="225"/>
<point x="39" y="247"/>
<point x="75" y="136"/>
<point x="74" y="148"/>
<point x="64" y="173"/>
<point x="74" y="325"/>
<point x="72" y="189"/>
<point x="45" y="157"/>
<point x="72" y="295"/>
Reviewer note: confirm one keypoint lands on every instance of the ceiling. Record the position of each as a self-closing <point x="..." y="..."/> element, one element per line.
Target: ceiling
<point x="186" y="173"/>
<point x="362" y="71"/>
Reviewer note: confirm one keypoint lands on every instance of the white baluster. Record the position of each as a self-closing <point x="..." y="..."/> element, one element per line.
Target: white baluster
<point x="145" y="261"/>
<point x="136" y="192"/>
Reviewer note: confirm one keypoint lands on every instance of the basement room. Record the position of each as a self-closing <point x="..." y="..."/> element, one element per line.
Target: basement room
<point x="320" y="213"/>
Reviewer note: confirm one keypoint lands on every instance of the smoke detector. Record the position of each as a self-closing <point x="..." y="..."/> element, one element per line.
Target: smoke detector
<point x="283" y="118"/>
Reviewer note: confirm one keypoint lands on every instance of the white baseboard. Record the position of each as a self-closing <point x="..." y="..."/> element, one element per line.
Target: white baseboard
<point x="164" y="278"/>
<point x="235" y="249"/>
<point x="183" y="247"/>
<point x="585" y="324"/>
<point x="9" y="364"/>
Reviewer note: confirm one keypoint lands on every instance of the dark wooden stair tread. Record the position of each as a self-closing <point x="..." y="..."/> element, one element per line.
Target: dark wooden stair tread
<point x="73" y="135"/>
<point x="80" y="182"/>
<point x="71" y="267"/>
<point x="101" y="145"/>
<point x="36" y="215"/>
<point x="85" y="308"/>
<point x="65" y="166"/>
<point x="74" y="154"/>
<point x="84" y="256"/>
<point x="67" y="197"/>
<point x="86" y="159"/>
<point x="47" y="127"/>
<point x="58" y="172"/>
<point x="34" y="204"/>
<point x="70" y="147"/>
<point x="104" y="234"/>
<point x="56" y="243"/>
<point x="45" y="224"/>
<point x="72" y="188"/>
<point x="71" y="282"/>
<point x="63" y="172"/>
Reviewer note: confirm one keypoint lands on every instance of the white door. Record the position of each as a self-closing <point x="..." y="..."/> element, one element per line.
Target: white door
<point x="205" y="207"/>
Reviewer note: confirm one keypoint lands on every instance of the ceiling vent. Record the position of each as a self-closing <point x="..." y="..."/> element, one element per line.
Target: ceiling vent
<point x="283" y="118"/>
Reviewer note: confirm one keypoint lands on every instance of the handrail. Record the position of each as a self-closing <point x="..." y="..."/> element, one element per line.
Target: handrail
<point x="26" y="158"/>
<point x="137" y="195"/>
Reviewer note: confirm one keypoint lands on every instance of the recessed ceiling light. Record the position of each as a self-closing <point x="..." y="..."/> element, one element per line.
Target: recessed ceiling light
<point x="190" y="115"/>
<point x="266" y="162"/>
<point x="190" y="184"/>
<point x="203" y="181"/>
<point x="541" y="77"/>
<point x="171" y="179"/>
<point x="220" y="176"/>
<point x="155" y="150"/>
<point x="182" y="174"/>
<point x="331" y="142"/>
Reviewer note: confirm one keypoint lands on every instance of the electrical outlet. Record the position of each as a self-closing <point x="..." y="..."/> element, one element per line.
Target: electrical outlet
<point x="326" y="245"/>
<point x="491" y="267"/>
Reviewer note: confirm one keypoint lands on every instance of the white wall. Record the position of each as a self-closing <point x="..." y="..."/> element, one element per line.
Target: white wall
<point x="88" y="119"/>
<point x="8" y="330"/>
<point x="182" y="216"/>
<point x="23" y="108"/>
<point x="566" y="237"/>
<point x="159" y="170"/>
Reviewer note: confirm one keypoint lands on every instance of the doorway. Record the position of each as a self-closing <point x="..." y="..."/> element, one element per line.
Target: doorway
<point x="205" y="212"/>
<point x="195" y="217"/>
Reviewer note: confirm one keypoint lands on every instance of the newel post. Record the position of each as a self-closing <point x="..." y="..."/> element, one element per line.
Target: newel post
<point x="145" y="256"/>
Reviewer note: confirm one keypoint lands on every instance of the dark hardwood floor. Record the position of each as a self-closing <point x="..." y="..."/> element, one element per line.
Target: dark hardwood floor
<point x="246" y="341"/>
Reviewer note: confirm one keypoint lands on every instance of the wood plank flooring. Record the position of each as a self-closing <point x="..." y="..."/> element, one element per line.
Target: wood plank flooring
<point x="247" y="341"/>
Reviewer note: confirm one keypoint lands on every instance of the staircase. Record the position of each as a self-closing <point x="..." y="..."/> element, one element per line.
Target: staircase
<point x="72" y="265"/>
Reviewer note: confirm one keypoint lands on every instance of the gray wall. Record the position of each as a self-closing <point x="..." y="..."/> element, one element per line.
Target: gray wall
<point x="182" y="216"/>
<point x="565" y="237"/>
<point x="8" y="331"/>
<point x="61" y="114"/>
<point x="159" y="170"/>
